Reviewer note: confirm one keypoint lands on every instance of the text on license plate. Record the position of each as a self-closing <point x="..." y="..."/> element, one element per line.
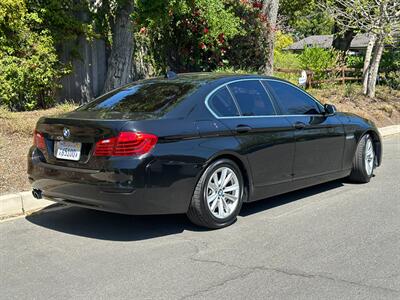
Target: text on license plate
<point x="67" y="150"/>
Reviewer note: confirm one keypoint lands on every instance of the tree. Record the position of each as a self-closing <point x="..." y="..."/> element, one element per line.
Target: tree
<point x="303" y="18"/>
<point x="270" y="10"/>
<point x="367" y="62"/>
<point x="119" y="66"/>
<point x="342" y="40"/>
<point x="379" y="18"/>
<point x="342" y="37"/>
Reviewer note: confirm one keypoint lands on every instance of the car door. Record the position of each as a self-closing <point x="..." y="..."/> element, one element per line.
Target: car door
<point x="266" y="139"/>
<point x="319" y="137"/>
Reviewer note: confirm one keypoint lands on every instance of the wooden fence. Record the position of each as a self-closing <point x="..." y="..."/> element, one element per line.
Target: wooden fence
<point x="336" y="75"/>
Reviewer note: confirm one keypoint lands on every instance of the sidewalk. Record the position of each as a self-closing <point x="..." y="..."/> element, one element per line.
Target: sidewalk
<point x="24" y="203"/>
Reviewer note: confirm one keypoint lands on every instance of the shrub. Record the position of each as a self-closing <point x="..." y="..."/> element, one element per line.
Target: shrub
<point x="355" y="61"/>
<point x="286" y="60"/>
<point x="390" y="61"/>
<point x="202" y="35"/>
<point x="389" y="68"/>
<point x="248" y="51"/>
<point x="28" y="60"/>
<point x="187" y="35"/>
<point x="282" y="40"/>
<point x="233" y="70"/>
<point x="349" y="90"/>
<point x="318" y="60"/>
<point x="392" y="79"/>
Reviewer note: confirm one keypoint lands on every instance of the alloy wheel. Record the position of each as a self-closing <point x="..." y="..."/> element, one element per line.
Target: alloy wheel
<point x="223" y="192"/>
<point x="369" y="157"/>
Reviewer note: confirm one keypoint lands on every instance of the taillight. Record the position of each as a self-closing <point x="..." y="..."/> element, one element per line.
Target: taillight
<point x="126" y="144"/>
<point x="38" y="140"/>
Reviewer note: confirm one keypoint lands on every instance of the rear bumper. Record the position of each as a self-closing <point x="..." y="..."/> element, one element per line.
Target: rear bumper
<point x="126" y="191"/>
<point x="93" y="197"/>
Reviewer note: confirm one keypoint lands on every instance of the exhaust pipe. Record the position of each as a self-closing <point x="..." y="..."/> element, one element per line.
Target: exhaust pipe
<point x="37" y="193"/>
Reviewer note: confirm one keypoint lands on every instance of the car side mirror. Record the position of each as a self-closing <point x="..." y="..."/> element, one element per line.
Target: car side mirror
<point x="330" y="109"/>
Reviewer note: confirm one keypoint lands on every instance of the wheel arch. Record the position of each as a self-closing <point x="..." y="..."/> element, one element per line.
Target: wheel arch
<point x="376" y="139"/>
<point x="243" y="165"/>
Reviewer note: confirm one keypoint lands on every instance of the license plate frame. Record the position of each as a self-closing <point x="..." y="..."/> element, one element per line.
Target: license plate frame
<point x="67" y="150"/>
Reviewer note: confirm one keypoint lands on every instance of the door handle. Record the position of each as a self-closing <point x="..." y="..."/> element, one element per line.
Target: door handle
<point x="243" y="128"/>
<point x="299" y="125"/>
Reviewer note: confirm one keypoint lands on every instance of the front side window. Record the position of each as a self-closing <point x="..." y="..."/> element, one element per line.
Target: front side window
<point x="252" y="98"/>
<point x="292" y="100"/>
<point x="222" y="104"/>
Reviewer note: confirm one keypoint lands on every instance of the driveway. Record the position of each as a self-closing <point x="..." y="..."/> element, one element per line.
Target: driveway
<point x="337" y="240"/>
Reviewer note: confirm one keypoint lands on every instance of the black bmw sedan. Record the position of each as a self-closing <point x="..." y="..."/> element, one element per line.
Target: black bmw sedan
<point x="200" y="144"/>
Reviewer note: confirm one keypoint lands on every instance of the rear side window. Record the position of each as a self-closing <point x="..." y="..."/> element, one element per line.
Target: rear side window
<point x="252" y="98"/>
<point x="292" y="100"/>
<point x="150" y="97"/>
<point x="221" y="103"/>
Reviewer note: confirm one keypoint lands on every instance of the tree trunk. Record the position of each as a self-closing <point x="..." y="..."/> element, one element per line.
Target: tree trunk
<point x="142" y="64"/>
<point x="342" y="41"/>
<point x="367" y="63"/>
<point x="270" y="10"/>
<point x="375" y="66"/>
<point x="119" y="65"/>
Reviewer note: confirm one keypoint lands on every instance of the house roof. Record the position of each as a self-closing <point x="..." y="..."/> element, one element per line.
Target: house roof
<point x="360" y="41"/>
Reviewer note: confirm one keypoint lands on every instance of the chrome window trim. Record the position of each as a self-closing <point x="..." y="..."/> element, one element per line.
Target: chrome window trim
<point x="237" y="103"/>
<point x="260" y="116"/>
<point x="234" y="101"/>
<point x="270" y="97"/>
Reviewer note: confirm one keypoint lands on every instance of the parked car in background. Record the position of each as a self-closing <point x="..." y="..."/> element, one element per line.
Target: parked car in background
<point x="200" y="144"/>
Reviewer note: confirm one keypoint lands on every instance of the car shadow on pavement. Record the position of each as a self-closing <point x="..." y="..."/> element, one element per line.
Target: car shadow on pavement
<point x="116" y="227"/>
<point x="111" y="226"/>
<point x="257" y="206"/>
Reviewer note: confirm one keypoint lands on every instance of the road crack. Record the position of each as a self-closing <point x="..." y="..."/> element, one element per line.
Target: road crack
<point x="246" y="271"/>
<point x="220" y="284"/>
<point x="322" y="276"/>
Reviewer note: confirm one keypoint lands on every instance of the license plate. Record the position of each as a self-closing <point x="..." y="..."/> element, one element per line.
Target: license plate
<point x="67" y="150"/>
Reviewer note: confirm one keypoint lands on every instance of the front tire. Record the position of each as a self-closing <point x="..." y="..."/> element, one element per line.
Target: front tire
<point x="218" y="196"/>
<point x="364" y="161"/>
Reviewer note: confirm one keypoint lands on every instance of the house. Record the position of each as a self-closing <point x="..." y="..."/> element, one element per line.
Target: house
<point x="358" y="44"/>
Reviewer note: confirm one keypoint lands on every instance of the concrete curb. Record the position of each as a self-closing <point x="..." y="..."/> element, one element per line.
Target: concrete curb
<point x="389" y="130"/>
<point x="20" y="204"/>
<point x="24" y="203"/>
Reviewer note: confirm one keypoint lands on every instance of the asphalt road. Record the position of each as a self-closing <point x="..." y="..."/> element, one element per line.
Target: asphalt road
<point x="334" y="241"/>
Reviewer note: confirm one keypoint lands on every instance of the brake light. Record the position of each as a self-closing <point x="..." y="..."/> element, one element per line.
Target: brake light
<point x="126" y="144"/>
<point x="38" y="140"/>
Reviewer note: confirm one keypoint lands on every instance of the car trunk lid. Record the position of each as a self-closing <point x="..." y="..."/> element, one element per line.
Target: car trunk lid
<point x="81" y="131"/>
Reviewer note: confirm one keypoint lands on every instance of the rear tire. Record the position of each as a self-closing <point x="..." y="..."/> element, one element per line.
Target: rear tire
<point x="218" y="196"/>
<point x="364" y="161"/>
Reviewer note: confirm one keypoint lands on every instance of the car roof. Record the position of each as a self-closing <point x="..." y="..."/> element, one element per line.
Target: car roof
<point x="210" y="76"/>
<point x="201" y="78"/>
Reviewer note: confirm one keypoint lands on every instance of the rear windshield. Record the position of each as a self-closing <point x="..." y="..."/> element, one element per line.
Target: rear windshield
<point x="150" y="97"/>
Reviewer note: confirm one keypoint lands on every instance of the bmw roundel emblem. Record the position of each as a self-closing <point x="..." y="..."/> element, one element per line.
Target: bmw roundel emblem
<point x="66" y="133"/>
